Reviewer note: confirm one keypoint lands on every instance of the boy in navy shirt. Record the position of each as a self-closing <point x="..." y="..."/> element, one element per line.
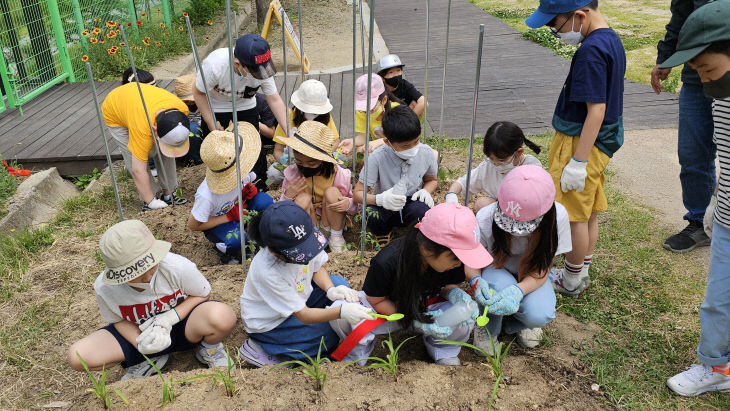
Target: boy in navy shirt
<point x="588" y="126"/>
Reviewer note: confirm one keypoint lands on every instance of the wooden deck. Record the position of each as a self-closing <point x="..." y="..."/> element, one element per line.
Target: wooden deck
<point x="520" y="82"/>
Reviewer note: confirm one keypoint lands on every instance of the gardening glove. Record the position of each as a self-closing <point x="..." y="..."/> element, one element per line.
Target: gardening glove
<point x="233" y="214"/>
<point x="423" y="196"/>
<point x="390" y="201"/>
<point x="574" y="176"/>
<point x="343" y="292"/>
<point x="249" y="191"/>
<point x="457" y="295"/>
<point x="165" y="320"/>
<point x="284" y="159"/>
<point x="710" y="216"/>
<point x="452" y="198"/>
<point x="505" y="302"/>
<point x="481" y="289"/>
<point x="433" y="329"/>
<point x="156" y="204"/>
<point x="154" y="339"/>
<point x="353" y="313"/>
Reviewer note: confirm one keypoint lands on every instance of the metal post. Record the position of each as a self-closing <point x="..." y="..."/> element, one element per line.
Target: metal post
<point x="235" y="136"/>
<point x="425" y="71"/>
<point x="103" y="137"/>
<point x="474" y="114"/>
<point x="301" y="38"/>
<point x="443" y="83"/>
<point x="367" y="131"/>
<point x="199" y="66"/>
<point x="133" y="17"/>
<point x="362" y="38"/>
<point x="166" y="12"/>
<point x="79" y="24"/>
<point x="58" y="33"/>
<point x="144" y="106"/>
<point x="289" y="150"/>
<point x="354" y="78"/>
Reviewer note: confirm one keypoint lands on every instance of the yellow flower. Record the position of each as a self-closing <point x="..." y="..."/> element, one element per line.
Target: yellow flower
<point x="180" y="28"/>
<point x="84" y="33"/>
<point x="157" y="43"/>
<point x="84" y="58"/>
<point x="110" y="24"/>
<point x="146" y="42"/>
<point x="93" y="40"/>
<point x="111" y="34"/>
<point x="210" y="22"/>
<point x="111" y="51"/>
<point x="162" y="25"/>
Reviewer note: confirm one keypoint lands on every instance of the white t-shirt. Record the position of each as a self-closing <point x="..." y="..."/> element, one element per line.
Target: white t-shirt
<point x="176" y="279"/>
<point x="274" y="290"/>
<point x="518" y="245"/>
<point x="208" y="204"/>
<point x="218" y="77"/>
<point x="486" y="178"/>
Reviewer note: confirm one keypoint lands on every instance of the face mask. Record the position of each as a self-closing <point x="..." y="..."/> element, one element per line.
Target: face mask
<point x="407" y="154"/>
<point x="394" y="81"/>
<point x="309" y="171"/>
<point x="572" y="37"/>
<point x="504" y="168"/>
<point x="310" y="116"/>
<point x="144" y="286"/>
<point x="719" y="88"/>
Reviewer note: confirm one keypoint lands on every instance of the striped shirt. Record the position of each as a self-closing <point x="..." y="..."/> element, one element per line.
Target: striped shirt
<point x="721" y="118"/>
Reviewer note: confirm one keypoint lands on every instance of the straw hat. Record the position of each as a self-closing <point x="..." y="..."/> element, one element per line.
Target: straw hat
<point x="311" y="97"/>
<point x="313" y="139"/>
<point x="184" y="87"/>
<point x="219" y="155"/>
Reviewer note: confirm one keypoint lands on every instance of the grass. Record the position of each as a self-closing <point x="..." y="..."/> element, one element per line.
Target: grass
<point x="99" y="387"/>
<point x="390" y="362"/>
<point x="8" y="186"/>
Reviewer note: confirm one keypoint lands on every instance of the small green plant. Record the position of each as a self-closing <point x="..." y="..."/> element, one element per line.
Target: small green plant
<point x="390" y="362"/>
<point x="545" y="38"/>
<point x="201" y="11"/>
<point x="312" y="368"/>
<point x="168" y="393"/>
<point x="84" y="180"/>
<point x="446" y="173"/>
<point x="223" y="375"/>
<point x="99" y="385"/>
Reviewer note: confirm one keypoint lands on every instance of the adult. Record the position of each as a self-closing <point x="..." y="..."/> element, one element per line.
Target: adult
<point x="695" y="147"/>
<point x="253" y="70"/>
<point x="125" y="116"/>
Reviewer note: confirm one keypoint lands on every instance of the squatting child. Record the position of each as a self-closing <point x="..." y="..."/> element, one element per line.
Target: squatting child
<point x="390" y="69"/>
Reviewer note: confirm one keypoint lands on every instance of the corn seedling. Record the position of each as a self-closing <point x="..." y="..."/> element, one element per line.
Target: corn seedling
<point x="223" y="375"/>
<point x="168" y="394"/>
<point x="99" y="385"/>
<point x="312" y="368"/>
<point x="390" y="362"/>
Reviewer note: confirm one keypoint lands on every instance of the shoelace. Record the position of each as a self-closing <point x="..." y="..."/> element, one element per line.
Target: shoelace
<point x="698" y="372"/>
<point x="687" y="231"/>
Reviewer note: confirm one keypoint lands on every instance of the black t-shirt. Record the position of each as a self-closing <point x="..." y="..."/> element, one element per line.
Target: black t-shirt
<point x="407" y="92"/>
<point x="381" y="276"/>
<point x="266" y="116"/>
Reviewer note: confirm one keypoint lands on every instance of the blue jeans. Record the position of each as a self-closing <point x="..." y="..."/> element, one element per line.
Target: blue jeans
<point x="536" y="308"/>
<point x="382" y="221"/>
<point x="229" y="232"/>
<point x="696" y="150"/>
<point x="714" y="346"/>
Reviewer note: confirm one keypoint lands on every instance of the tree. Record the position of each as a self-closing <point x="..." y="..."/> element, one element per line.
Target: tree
<point x="262" y="6"/>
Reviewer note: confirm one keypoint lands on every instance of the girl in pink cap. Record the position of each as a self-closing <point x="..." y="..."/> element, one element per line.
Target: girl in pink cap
<point x="419" y="275"/>
<point x="524" y="231"/>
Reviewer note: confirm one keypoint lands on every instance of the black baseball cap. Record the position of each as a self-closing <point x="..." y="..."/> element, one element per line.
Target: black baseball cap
<point x="706" y="25"/>
<point x="173" y="132"/>
<point x="288" y="230"/>
<point x="253" y="52"/>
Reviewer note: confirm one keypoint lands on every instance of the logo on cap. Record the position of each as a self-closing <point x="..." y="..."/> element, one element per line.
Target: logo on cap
<point x="298" y="231"/>
<point x="513" y="208"/>
<point x="262" y="58"/>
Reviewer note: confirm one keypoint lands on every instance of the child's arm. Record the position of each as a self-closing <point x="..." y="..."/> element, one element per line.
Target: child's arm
<point x="382" y="305"/>
<point x="357" y="194"/>
<point x="530" y="283"/>
<point x="594" y="119"/>
<point x="419" y="106"/>
<point x="455" y="188"/>
<point x="196" y="225"/>
<point x="430" y="184"/>
<point x="278" y="151"/>
<point x="266" y="131"/>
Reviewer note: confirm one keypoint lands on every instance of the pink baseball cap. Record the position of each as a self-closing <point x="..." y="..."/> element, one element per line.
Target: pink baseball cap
<point x="361" y="91"/>
<point x="454" y="226"/>
<point x="524" y="196"/>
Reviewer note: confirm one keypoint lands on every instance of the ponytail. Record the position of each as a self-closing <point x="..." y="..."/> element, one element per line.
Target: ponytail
<point x="504" y="138"/>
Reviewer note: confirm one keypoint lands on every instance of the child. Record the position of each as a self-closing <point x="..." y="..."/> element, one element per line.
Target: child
<point x="216" y="208"/>
<point x="523" y="231"/>
<point x="704" y="43"/>
<point x="588" y="126"/>
<point x="184" y="89"/>
<point x="503" y="151"/>
<point x="402" y="175"/>
<point x="287" y="289"/>
<point x="155" y="302"/>
<point x="390" y="69"/>
<point x="419" y="276"/>
<point x="381" y="101"/>
<point x="316" y="183"/>
<point x="310" y="104"/>
<point x="147" y="78"/>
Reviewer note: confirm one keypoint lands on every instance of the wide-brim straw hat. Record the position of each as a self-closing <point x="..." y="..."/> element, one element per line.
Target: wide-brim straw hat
<point x="219" y="155"/>
<point x="313" y="139"/>
<point x="184" y="87"/>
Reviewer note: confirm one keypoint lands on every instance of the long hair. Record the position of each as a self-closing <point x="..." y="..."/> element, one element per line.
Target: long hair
<point x="391" y="99"/>
<point x="299" y="118"/>
<point x="541" y="247"/>
<point x="503" y="138"/>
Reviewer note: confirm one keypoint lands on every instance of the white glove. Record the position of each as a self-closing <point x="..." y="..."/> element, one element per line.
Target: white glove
<point x="710" y="216"/>
<point x="390" y="201"/>
<point x="250" y="178"/>
<point x="343" y="292"/>
<point x="165" y="320"/>
<point x="452" y="198"/>
<point x="156" y="204"/>
<point x="423" y="196"/>
<point x="353" y="313"/>
<point x="574" y="176"/>
<point x="153" y="339"/>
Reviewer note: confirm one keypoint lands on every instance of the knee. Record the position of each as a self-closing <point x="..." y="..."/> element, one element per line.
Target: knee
<point x="304" y="201"/>
<point x="331" y="195"/>
<point x="483" y="202"/>
<point x="73" y="359"/>
<point x="534" y="318"/>
<point x="498" y="278"/>
<point x="221" y="317"/>
<point x="260" y="202"/>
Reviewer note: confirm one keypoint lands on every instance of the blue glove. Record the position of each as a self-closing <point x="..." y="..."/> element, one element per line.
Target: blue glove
<point x="433" y="329"/>
<point x="457" y="295"/>
<point x="482" y="292"/>
<point x="284" y="160"/>
<point x="505" y="302"/>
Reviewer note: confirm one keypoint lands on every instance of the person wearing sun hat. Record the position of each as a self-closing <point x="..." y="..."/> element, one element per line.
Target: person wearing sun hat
<point x="127" y="122"/>
<point x="184" y="90"/>
<point x="287" y="290"/>
<point x="524" y="231"/>
<point x="317" y="183"/>
<point x="216" y="209"/>
<point x="704" y="45"/>
<point x="155" y="302"/>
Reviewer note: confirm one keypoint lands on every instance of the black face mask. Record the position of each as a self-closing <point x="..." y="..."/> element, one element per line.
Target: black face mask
<point x="719" y="88"/>
<point x="309" y="171"/>
<point x="394" y="81"/>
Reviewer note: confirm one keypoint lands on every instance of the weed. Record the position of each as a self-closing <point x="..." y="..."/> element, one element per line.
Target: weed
<point x="390" y="362"/>
<point x="224" y="376"/>
<point x="448" y="174"/>
<point x="200" y="11"/>
<point x="16" y="250"/>
<point x="84" y="180"/>
<point x="8" y="185"/>
<point x="99" y="386"/>
<point x="544" y="38"/>
<point x="313" y="368"/>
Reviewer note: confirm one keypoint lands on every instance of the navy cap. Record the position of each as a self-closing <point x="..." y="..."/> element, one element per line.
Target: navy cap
<point x="254" y="52"/>
<point x="288" y="230"/>
<point x="548" y="9"/>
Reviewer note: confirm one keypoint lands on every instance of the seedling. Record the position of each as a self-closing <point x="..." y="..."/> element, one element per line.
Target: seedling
<point x="84" y="180"/>
<point x="390" y="362"/>
<point x="99" y="386"/>
<point x="224" y="376"/>
<point x="168" y="394"/>
<point x="312" y="369"/>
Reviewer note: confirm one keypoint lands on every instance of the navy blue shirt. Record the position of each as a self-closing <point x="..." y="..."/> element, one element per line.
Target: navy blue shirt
<point x="596" y="76"/>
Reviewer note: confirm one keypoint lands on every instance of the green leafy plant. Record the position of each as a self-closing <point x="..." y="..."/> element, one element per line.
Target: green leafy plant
<point x="224" y="376"/>
<point x="312" y="368"/>
<point x="168" y="393"/>
<point x="99" y="385"/>
<point x="201" y="11"/>
<point x="390" y="362"/>
<point x="84" y="180"/>
<point x="545" y="38"/>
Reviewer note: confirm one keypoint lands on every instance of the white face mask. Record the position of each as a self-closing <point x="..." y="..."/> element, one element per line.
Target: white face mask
<point x="572" y="37"/>
<point x="145" y="286"/>
<point x="407" y="154"/>
<point x="504" y="168"/>
<point x="310" y="116"/>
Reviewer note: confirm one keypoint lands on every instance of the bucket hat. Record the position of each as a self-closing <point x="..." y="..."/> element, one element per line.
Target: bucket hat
<point x="311" y="97"/>
<point x="361" y="91"/>
<point x="129" y="249"/>
<point x="184" y="87"/>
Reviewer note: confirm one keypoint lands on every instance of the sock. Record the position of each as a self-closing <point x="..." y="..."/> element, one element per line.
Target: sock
<point x="166" y="197"/>
<point x="336" y="232"/>
<point x="208" y="346"/>
<point x="586" y="265"/>
<point x="722" y="369"/>
<point x="572" y="277"/>
<point x="572" y="269"/>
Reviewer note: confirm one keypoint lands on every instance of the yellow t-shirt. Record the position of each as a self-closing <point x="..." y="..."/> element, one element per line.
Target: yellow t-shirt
<point x="122" y="107"/>
<point x="281" y="133"/>
<point x="360" y="120"/>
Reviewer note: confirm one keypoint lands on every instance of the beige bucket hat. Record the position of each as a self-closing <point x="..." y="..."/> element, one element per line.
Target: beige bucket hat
<point x="311" y="97"/>
<point x="129" y="250"/>
<point x="218" y="152"/>
<point x="313" y="139"/>
<point x="184" y="88"/>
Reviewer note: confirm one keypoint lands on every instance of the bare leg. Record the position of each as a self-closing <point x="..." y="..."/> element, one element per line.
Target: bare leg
<point x="304" y="201"/>
<point x="98" y="349"/>
<point x="211" y="321"/>
<point x="579" y="235"/>
<point x="336" y="219"/>
<point x="592" y="234"/>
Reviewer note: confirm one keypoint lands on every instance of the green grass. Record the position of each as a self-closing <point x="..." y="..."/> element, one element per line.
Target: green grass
<point x="8" y="185"/>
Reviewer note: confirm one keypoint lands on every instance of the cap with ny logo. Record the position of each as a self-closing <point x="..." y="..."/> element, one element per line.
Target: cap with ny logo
<point x="288" y="230"/>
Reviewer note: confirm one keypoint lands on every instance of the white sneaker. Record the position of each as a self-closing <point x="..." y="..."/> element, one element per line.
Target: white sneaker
<point x="563" y="285"/>
<point x="337" y="243"/>
<point x="213" y="357"/>
<point x="145" y="369"/>
<point x="529" y="337"/>
<point x="697" y="379"/>
<point x="221" y="247"/>
<point x="452" y="361"/>
<point x="482" y="341"/>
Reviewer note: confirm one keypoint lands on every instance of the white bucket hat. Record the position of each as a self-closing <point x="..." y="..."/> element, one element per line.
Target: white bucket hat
<point x="129" y="250"/>
<point x="311" y="97"/>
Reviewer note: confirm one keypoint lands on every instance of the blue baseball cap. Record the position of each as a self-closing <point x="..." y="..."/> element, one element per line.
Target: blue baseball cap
<point x="548" y="9"/>
<point x="288" y="230"/>
<point x="254" y="52"/>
